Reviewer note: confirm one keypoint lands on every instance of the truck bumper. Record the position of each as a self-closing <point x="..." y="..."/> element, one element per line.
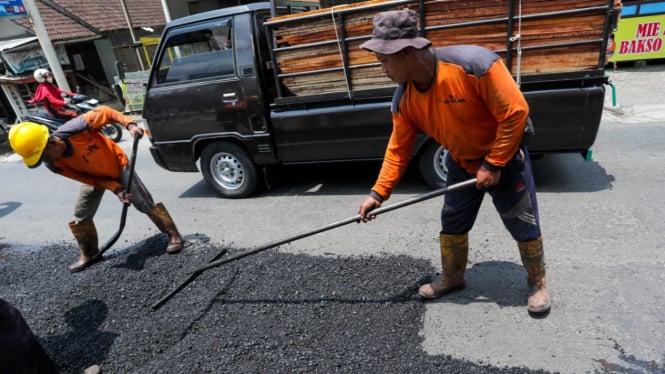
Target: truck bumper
<point x="179" y="157"/>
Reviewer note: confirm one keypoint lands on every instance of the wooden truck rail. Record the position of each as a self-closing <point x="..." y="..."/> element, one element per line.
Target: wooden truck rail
<point x="539" y="40"/>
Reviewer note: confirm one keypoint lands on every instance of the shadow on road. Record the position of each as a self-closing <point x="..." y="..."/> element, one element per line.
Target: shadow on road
<point x="84" y="343"/>
<point x="322" y="180"/>
<point x="569" y="173"/>
<point x="499" y="282"/>
<point x="140" y="252"/>
<point x="8" y="207"/>
<point x="552" y="173"/>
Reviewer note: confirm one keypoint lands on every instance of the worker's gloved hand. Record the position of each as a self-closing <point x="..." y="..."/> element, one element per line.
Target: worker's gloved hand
<point x="124" y="197"/>
<point x="136" y="132"/>
<point x="487" y="178"/>
<point x="369" y="204"/>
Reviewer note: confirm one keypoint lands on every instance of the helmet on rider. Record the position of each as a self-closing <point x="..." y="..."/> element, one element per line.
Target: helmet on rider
<point x="41" y="75"/>
<point x="29" y="140"/>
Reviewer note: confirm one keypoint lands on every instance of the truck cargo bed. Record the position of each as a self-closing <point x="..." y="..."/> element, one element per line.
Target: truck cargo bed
<point x="539" y="40"/>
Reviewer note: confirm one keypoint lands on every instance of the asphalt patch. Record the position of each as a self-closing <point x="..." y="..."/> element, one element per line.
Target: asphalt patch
<point x="267" y="313"/>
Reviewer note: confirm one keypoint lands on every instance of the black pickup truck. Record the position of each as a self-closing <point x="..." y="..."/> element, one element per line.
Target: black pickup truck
<point x="222" y="90"/>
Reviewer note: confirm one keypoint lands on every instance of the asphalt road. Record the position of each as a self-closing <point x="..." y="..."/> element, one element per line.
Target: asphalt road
<point x="602" y="223"/>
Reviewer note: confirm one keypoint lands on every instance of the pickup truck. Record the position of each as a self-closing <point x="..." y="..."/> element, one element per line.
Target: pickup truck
<point x="234" y="89"/>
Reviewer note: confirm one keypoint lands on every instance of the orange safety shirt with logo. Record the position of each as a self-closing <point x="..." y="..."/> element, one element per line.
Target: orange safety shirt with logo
<point x="473" y="108"/>
<point x="91" y="157"/>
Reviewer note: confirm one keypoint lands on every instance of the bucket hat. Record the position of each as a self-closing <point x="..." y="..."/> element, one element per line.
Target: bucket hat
<point x="393" y="31"/>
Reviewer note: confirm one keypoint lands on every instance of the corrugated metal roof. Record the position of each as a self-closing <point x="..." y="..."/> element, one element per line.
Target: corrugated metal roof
<point x="9" y="44"/>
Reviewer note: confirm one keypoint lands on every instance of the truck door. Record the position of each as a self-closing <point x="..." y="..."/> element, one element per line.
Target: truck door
<point x="194" y="88"/>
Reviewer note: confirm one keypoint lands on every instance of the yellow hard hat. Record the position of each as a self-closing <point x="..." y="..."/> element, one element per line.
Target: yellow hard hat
<point x="29" y="140"/>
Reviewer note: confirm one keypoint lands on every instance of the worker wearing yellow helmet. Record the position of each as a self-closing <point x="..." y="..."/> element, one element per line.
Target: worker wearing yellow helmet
<point x="29" y="139"/>
<point x="78" y="150"/>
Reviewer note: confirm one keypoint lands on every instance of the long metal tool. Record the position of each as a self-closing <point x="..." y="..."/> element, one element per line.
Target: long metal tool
<point x="215" y="262"/>
<point x="125" y="206"/>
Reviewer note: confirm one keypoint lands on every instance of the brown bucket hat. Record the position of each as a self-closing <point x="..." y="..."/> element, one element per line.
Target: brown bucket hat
<point x="395" y="30"/>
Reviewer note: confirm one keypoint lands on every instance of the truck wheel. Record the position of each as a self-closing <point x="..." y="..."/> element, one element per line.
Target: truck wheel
<point x="432" y="165"/>
<point x="227" y="168"/>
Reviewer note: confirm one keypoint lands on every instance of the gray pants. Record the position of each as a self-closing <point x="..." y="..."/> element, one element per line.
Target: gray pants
<point x="89" y="197"/>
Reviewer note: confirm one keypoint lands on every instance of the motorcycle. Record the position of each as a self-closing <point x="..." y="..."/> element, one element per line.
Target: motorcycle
<point x="112" y="130"/>
<point x="4" y="129"/>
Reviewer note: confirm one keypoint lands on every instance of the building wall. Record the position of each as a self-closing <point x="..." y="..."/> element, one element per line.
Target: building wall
<point x="128" y="53"/>
<point x="107" y="56"/>
<point x="177" y="8"/>
<point x="182" y="8"/>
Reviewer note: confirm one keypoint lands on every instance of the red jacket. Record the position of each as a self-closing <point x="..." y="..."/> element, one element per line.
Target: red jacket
<point x="49" y="95"/>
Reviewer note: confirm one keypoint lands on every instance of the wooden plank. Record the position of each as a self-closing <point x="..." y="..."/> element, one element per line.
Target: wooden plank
<point x="543" y="31"/>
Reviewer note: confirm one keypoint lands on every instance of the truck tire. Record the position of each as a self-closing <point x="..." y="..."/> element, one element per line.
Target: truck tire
<point x="227" y="168"/>
<point x="432" y="165"/>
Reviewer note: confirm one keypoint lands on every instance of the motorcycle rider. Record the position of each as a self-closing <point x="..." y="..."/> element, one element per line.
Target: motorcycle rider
<point x="79" y="151"/>
<point x="50" y="96"/>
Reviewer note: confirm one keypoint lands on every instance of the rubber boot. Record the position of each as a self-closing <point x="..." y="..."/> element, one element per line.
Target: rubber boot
<point x="454" y="255"/>
<point x="162" y="219"/>
<point x="533" y="259"/>
<point x="85" y="234"/>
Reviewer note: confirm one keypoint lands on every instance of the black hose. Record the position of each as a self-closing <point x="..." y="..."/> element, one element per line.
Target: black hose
<point x="125" y="206"/>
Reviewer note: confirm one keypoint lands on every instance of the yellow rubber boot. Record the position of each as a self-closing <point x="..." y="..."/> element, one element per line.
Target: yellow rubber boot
<point x="162" y="219"/>
<point x="85" y="234"/>
<point x="454" y="256"/>
<point x="533" y="259"/>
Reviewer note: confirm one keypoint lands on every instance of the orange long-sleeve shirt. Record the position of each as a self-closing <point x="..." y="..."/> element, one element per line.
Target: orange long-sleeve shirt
<point x="473" y="108"/>
<point x="91" y="157"/>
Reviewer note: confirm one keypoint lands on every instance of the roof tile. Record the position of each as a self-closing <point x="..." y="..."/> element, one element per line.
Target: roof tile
<point x="102" y="15"/>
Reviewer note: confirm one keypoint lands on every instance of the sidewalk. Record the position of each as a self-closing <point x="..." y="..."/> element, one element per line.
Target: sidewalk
<point x="639" y="96"/>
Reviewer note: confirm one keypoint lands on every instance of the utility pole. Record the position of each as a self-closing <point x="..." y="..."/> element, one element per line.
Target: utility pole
<point x="45" y="43"/>
<point x="167" y="11"/>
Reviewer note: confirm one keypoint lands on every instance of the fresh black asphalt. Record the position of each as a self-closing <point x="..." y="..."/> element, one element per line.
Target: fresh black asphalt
<point x="267" y="313"/>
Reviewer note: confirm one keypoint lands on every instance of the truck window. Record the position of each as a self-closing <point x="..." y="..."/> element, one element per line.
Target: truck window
<point x="203" y="52"/>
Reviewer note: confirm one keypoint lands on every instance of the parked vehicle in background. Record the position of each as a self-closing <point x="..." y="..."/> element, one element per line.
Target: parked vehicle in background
<point x="4" y="128"/>
<point x="234" y="89"/>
